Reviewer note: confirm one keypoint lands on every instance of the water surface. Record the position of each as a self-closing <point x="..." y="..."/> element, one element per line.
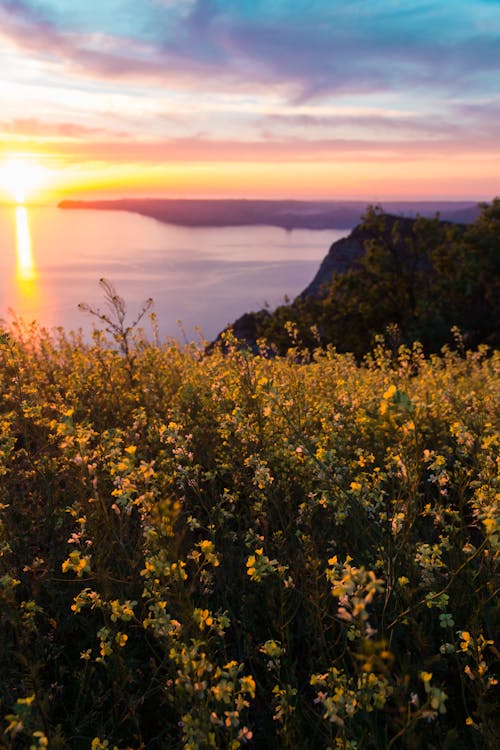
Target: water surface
<point x="51" y="260"/>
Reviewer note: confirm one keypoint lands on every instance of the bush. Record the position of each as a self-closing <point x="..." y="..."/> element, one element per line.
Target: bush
<point x="227" y="550"/>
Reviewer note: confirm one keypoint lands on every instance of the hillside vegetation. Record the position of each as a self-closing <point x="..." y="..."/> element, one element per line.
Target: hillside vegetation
<point x="229" y="550"/>
<point x="415" y="277"/>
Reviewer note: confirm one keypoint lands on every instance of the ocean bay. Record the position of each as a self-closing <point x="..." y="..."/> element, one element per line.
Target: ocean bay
<point x="52" y="260"/>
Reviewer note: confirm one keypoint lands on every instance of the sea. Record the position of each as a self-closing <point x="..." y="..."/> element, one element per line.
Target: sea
<point x="200" y="279"/>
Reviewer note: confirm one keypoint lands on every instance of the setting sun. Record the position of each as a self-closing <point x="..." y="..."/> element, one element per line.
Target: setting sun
<point x="21" y="177"/>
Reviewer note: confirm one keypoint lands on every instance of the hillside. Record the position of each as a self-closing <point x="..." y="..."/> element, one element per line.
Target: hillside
<point x="418" y="278"/>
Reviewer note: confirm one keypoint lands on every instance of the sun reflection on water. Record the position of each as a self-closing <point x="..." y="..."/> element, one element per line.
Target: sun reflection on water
<point x="28" y="300"/>
<point x="26" y="271"/>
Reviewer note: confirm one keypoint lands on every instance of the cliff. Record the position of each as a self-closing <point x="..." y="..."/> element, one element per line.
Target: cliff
<point x="346" y="253"/>
<point x="415" y="276"/>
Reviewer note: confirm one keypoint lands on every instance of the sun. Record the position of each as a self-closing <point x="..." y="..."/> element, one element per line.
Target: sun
<point x="21" y="176"/>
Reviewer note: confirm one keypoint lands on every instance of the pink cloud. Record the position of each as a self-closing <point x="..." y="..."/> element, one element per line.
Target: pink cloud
<point x="33" y="127"/>
<point x="125" y="149"/>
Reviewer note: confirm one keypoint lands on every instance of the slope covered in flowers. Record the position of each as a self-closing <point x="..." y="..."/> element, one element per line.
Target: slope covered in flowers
<point x="230" y="551"/>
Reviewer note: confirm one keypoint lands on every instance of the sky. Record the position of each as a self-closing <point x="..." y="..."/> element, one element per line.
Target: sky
<point x="367" y="99"/>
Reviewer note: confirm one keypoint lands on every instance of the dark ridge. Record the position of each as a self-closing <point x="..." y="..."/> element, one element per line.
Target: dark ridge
<point x="286" y="214"/>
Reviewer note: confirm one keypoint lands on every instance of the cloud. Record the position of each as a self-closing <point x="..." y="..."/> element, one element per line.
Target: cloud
<point x="202" y="13"/>
<point x="316" y="49"/>
<point x="480" y="119"/>
<point x="89" y="54"/>
<point x="33" y="127"/>
<point x="454" y="125"/>
<point x="125" y="149"/>
<point x="373" y="125"/>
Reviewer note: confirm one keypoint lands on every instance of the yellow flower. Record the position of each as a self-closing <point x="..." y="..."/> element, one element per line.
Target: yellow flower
<point x="206" y="545"/>
<point x="389" y="393"/>
<point x="248" y="685"/>
<point x="77" y="564"/>
<point x="121" y="639"/>
<point x="466" y="638"/>
<point x="489" y="524"/>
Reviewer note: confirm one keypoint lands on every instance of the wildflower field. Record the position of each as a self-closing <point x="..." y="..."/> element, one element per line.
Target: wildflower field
<point x="228" y="550"/>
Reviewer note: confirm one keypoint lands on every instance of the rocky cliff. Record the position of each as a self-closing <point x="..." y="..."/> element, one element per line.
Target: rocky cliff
<point x="345" y="253"/>
<point x="402" y="256"/>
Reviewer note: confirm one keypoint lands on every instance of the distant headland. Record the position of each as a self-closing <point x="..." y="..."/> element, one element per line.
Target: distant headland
<point x="287" y="214"/>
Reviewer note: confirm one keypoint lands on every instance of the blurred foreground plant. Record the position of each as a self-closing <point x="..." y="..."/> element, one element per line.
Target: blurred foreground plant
<point x="227" y="550"/>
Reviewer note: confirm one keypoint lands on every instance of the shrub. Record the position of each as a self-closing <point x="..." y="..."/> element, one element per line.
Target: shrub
<point x="214" y="551"/>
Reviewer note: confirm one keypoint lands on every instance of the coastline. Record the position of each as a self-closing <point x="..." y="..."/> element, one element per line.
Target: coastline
<point x="285" y="214"/>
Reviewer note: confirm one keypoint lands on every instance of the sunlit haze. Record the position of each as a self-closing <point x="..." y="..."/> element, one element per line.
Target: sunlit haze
<point x="294" y="98"/>
<point x="22" y="177"/>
